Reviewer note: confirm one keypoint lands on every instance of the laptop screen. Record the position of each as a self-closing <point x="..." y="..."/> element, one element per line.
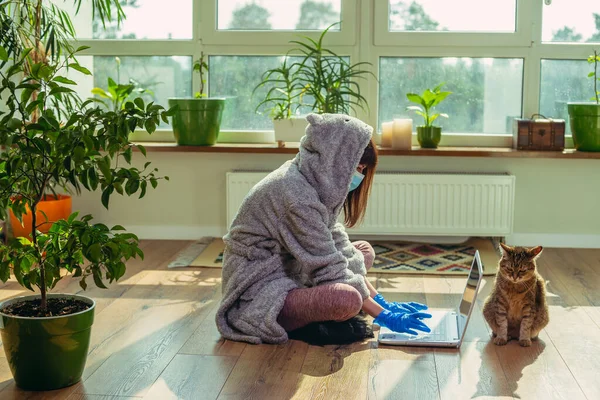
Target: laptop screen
<point x="468" y="298"/>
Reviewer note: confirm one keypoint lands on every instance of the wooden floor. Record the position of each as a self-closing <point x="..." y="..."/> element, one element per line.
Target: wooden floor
<point x="154" y="338"/>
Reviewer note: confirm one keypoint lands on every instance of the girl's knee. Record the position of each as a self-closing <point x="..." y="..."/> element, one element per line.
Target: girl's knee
<point x="368" y="252"/>
<point x="347" y="302"/>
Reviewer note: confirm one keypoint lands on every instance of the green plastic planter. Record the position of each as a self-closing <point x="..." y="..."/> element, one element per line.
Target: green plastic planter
<point x="429" y="136"/>
<point x="584" y="119"/>
<point x="47" y="353"/>
<point x="198" y="121"/>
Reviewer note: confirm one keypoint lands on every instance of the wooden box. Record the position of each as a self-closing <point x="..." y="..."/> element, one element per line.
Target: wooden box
<point x="539" y="134"/>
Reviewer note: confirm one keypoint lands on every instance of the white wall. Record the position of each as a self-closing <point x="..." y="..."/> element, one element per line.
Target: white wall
<point x="556" y="204"/>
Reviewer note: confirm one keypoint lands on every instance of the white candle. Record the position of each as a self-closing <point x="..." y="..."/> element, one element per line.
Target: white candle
<point x="386" y="134"/>
<point x="402" y="134"/>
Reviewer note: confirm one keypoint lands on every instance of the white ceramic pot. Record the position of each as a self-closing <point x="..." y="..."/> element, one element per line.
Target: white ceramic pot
<point x="290" y="130"/>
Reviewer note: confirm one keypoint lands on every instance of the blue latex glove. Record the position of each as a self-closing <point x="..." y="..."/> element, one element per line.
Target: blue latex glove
<point x="411" y="307"/>
<point x="403" y="323"/>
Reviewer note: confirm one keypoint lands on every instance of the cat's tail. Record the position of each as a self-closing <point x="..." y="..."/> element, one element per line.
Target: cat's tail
<point x="356" y="329"/>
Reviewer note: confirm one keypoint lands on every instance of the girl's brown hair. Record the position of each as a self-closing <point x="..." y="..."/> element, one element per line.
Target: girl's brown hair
<point x="356" y="201"/>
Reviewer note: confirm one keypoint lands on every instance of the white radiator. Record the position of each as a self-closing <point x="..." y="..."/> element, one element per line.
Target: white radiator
<point x="420" y="203"/>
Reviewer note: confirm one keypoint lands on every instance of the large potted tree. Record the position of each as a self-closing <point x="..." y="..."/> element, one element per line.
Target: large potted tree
<point x="197" y="121"/>
<point x="311" y="78"/>
<point x="53" y="141"/>
<point x="584" y="117"/>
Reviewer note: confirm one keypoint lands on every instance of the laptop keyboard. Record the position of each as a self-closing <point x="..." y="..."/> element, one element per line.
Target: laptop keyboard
<point x="443" y="328"/>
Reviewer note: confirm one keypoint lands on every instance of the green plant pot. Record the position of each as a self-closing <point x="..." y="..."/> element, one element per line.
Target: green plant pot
<point x="584" y="119"/>
<point x="198" y="121"/>
<point x="46" y="353"/>
<point x="429" y="136"/>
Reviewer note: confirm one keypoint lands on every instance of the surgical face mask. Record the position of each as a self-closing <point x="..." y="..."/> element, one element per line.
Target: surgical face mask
<point x="357" y="178"/>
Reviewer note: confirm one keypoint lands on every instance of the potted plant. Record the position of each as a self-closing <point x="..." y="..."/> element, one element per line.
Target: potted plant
<point x="428" y="135"/>
<point x="319" y="81"/>
<point x="51" y="141"/>
<point x="284" y="97"/>
<point x="584" y="117"/>
<point x="197" y="121"/>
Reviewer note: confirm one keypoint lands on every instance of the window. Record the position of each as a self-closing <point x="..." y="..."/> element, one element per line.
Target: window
<point x="571" y="21"/>
<point x="563" y="81"/>
<point x="444" y="15"/>
<point x="501" y="59"/>
<point x="486" y="92"/>
<point x="277" y="15"/>
<point x="146" y="19"/>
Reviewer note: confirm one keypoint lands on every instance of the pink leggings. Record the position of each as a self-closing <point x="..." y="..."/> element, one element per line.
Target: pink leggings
<point x="333" y="302"/>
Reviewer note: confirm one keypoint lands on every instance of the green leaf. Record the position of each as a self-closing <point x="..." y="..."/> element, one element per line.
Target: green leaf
<point x="100" y="92"/>
<point x="98" y="279"/>
<point x="106" y="196"/>
<point x="127" y="155"/>
<point x="117" y="228"/>
<point x="142" y="149"/>
<point x="79" y="68"/>
<point x="94" y="252"/>
<point x="60" y="89"/>
<point x="104" y="168"/>
<point x="81" y="48"/>
<point x="72" y="217"/>
<point x="139" y="103"/>
<point x="144" y="185"/>
<point x="3" y="54"/>
<point x="415" y="98"/>
<point x="154" y="182"/>
<point x="150" y="126"/>
<point x="118" y="187"/>
<point x="132" y="186"/>
<point x="591" y="74"/>
<point x="66" y="81"/>
<point x="83" y="284"/>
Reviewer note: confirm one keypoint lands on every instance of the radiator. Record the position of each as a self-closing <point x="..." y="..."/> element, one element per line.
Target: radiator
<point x="420" y="203"/>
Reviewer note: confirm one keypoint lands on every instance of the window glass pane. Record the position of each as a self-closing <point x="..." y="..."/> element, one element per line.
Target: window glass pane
<point x="235" y="77"/>
<point x="161" y="77"/>
<point x="454" y="15"/>
<point x="486" y="92"/>
<point x="146" y="19"/>
<point x="571" y="21"/>
<point x="278" y="14"/>
<point x="563" y="81"/>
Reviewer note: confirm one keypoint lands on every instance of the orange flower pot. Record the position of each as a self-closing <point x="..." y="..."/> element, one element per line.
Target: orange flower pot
<point x="55" y="207"/>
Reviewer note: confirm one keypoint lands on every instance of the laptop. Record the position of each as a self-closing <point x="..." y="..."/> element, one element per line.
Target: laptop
<point x="448" y="327"/>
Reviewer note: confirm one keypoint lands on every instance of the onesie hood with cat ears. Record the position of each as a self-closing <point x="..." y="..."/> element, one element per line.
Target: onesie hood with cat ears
<point x="330" y="152"/>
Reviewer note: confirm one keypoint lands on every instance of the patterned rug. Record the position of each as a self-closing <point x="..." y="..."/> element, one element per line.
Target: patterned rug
<point x="439" y="259"/>
<point x="391" y="257"/>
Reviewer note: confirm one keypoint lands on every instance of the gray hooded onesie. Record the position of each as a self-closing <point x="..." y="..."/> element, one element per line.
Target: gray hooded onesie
<point x="286" y="235"/>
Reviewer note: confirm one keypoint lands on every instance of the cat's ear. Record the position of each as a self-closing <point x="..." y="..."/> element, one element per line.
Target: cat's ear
<point x="535" y="251"/>
<point x="506" y="248"/>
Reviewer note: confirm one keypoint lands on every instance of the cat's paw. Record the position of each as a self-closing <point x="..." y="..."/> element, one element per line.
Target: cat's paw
<point x="500" y="341"/>
<point x="525" y="342"/>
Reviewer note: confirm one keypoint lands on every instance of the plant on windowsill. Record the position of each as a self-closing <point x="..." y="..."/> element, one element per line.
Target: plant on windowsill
<point x="54" y="141"/>
<point x="197" y="121"/>
<point x="320" y="81"/>
<point x="116" y="94"/>
<point x="584" y="117"/>
<point x="428" y="135"/>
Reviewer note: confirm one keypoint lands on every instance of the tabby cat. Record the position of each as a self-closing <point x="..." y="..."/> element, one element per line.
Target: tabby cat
<point x="517" y="307"/>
